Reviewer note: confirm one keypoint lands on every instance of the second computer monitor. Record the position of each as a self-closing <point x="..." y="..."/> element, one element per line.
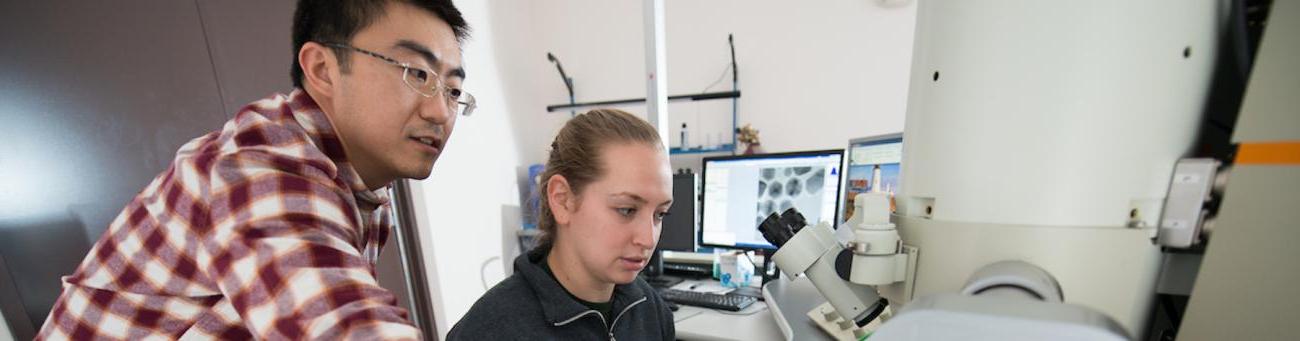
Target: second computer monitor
<point x="678" y="229"/>
<point x="874" y="165"/>
<point x="740" y="191"/>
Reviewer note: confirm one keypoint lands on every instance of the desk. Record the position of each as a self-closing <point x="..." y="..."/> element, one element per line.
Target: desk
<point x="755" y="322"/>
<point x="793" y="300"/>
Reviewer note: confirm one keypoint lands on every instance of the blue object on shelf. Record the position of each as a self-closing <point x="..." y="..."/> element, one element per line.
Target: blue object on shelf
<point x="533" y="200"/>
<point x="726" y="148"/>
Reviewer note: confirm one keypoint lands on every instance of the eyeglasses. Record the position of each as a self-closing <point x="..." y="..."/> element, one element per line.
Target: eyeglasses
<point x="424" y="81"/>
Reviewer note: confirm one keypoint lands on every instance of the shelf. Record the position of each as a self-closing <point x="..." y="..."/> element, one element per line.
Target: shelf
<point x="733" y="95"/>
<point x="726" y="148"/>
<point x="694" y="97"/>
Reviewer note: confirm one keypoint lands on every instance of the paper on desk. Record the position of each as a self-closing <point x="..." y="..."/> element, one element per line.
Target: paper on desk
<point x="709" y="287"/>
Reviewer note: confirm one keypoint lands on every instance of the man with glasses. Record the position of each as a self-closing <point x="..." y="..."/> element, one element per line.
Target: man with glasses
<point x="270" y="227"/>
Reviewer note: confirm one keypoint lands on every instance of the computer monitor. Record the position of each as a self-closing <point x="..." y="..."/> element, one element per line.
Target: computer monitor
<point x="678" y="230"/>
<point x="740" y="191"/>
<point x="874" y="163"/>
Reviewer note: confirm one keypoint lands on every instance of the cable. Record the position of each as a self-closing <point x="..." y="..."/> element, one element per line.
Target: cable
<point x="483" y="268"/>
<point x="568" y="81"/>
<point x="719" y="80"/>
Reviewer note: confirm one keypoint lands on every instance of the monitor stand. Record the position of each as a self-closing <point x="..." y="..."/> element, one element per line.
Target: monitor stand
<point x="769" y="270"/>
<point x="654" y="272"/>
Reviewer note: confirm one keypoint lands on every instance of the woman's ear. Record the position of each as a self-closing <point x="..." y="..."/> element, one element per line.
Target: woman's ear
<point x="559" y="196"/>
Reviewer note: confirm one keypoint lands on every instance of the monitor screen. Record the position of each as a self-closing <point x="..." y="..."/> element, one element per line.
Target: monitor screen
<point x="741" y="191"/>
<point x="873" y="165"/>
<point x="678" y="229"/>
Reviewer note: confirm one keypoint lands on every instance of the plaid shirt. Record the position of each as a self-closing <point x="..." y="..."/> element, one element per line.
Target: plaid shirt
<point x="256" y="230"/>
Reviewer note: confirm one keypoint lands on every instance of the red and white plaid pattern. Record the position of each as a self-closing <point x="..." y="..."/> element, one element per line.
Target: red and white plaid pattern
<point x="256" y="230"/>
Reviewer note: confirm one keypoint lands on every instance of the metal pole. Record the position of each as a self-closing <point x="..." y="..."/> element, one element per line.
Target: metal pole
<point x="656" y="69"/>
<point x="413" y="269"/>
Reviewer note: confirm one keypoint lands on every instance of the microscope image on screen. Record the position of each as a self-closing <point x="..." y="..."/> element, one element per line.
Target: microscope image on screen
<point x="740" y="191"/>
<point x="781" y="188"/>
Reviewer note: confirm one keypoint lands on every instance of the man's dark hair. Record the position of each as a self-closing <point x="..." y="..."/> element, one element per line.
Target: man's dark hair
<point x="336" y="21"/>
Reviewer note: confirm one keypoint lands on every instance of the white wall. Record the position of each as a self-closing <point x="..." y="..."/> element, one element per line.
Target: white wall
<point x="471" y="194"/>
<point x="813" y="75"/>
<point x="5" y="335"/>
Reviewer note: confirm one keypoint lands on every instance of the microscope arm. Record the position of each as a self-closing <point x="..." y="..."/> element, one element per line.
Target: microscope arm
<point x="814" y="251"/>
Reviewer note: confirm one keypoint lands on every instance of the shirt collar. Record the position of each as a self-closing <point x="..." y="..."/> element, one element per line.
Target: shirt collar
<point x="557" y="304"/>
<point x="322" y="133"/>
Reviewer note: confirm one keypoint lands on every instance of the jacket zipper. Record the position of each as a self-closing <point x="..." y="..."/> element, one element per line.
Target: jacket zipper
<point x="609" y="327"/>
<point x="620" y="314"/>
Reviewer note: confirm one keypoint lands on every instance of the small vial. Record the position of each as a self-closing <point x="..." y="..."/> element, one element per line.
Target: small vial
<point x="684" y="143"/>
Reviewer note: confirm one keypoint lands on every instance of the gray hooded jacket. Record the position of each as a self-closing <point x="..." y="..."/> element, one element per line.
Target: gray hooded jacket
<point x="531" y="305"/>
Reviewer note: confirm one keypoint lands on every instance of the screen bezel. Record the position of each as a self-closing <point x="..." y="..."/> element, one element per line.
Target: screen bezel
<point x="704" y="169"/>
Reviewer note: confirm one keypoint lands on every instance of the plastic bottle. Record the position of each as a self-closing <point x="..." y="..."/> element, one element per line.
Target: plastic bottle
<point x="684" y="145"/>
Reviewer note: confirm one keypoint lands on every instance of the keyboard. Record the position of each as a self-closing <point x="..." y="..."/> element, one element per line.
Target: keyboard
<point x="724" y="302"/>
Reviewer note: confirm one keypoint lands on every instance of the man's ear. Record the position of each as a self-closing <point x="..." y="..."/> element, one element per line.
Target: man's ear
<point x="560" y="199"/>
<point x="320" y="69"/>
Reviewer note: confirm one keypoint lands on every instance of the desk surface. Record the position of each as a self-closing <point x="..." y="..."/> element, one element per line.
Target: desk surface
<point x="752" y="323"/>
<point x="793" y="300"/>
